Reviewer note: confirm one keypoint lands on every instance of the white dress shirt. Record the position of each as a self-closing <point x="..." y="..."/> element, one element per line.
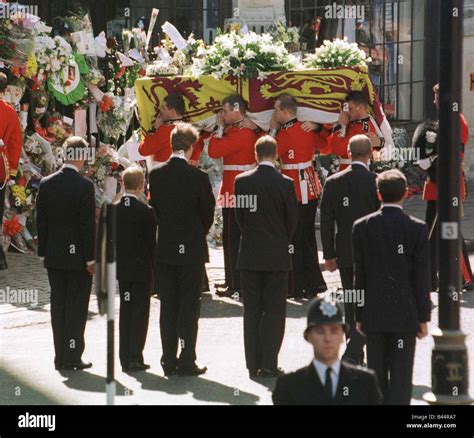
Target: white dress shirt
<point x="321" y="370"/>
<point x="361" y="163"/>
<point x="389" y="204"/>
<point x="266" y="163"/>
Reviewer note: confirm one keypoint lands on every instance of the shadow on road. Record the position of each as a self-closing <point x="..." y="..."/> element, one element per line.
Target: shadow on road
<point x="16" y="392"/>
<point x="85" y="381"/>
<point x="418" y="391"/>
<point x="212" y="307"/>
<point x="201" y="389"/>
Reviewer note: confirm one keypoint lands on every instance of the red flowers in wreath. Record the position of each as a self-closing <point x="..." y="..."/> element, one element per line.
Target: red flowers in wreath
<point x="12" y="227"/>
<point x="106" y="104"/>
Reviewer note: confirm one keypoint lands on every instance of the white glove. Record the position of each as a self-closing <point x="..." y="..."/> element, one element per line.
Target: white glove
<point x="425" y="164"/>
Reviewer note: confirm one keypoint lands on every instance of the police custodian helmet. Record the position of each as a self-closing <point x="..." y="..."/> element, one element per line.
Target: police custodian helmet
<point x="324" y="311"/>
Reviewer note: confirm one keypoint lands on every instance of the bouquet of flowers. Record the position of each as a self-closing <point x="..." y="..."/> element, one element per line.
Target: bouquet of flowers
<point x="174" y="61"/>
<point x="40" y="153"/>
<point x="16" y="40"/>
<point x="337" y="53"/>
<point x="161" y="68"/>
<point x="115" y="119"/>
<point x="57" y="129"/>
<point x="246" y="56"/>
<point x="106" y="164"/>
<point x="284" y="34"/>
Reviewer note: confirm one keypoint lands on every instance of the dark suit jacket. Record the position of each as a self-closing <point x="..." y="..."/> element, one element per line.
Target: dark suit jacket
<point x="182" y="198"/>
<point x="266" y="232"/>
<point x="392" y="266"/>
<point x="66" y="220"/>
<point x="347" y="196"/>
<point x="136" y="240"/>
<point x="356" y="386"/>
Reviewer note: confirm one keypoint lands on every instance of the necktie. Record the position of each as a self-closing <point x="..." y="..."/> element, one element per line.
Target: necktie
<point x="328" y="383"/>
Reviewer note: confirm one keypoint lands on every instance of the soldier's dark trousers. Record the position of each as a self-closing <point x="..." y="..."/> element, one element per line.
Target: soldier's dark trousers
<point x="70" y="293"/>
<point x="391" y="356"/>
<point x="355" y="340"/>
<point x="306" y="275"/>
<point x="231" y="241"/>
<point x="264" y="317"/>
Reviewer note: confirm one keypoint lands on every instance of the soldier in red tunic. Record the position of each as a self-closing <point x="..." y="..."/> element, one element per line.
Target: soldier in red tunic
<point x="297" y="145"/>
<point x="353" y="120"/>
<point x="157" y="142"/>
<point x="11" y="141"/>
<point x="235" y="143"/>
<point x="425" y="140"/>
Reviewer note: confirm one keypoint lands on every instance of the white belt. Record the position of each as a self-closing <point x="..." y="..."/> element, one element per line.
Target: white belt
<point x="299" y="166"/>
<point x="345" y="161"/>
<point x="238" y="168"/>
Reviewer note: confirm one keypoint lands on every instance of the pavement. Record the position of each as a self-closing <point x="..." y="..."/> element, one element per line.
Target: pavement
<point x="27" y="375"/>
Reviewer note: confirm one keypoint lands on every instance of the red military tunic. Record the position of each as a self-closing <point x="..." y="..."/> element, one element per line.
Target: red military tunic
<point x="338" y="145"/>
<point x="237" y="148"/>
<point x="199" y="147"/>
<point x="11" y="135"/>
<point x="430" y="190"/>
<point x="158" y="143"/>
<point x="296" y="149"/>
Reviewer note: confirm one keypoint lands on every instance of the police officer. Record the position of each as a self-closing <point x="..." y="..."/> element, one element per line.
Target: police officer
<point x="327" y="380"/>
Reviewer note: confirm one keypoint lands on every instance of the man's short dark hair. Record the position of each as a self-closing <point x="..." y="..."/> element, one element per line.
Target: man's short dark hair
<point x="176" y="102"/>
<point x="358" y="97"/>
<point x="237" y="102"/>
<point x="75" y="148"/>
<point x="3" y="82"/>
<point x="392" y="185"/>
<point x="288" y="102"/>
<point x="183" y="137"/>
<point x="266" y="147"/>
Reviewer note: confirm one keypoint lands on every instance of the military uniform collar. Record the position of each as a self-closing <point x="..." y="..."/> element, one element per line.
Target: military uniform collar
<point x="237" y="124"/>
<point x="362" y="120"/>
<point x="173" y="121"/>
<point x="289" y="123"/>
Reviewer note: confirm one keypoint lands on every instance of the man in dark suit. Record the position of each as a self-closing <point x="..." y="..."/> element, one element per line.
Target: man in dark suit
<point x="267" y="215"/>
<point x="348" y="195"/>
<point x="327" y="380"/>
<point x="392" y="269"/>
<point x="182" y="198"/>
<point x="66" y="235"/>
<point x="136" y="242"/>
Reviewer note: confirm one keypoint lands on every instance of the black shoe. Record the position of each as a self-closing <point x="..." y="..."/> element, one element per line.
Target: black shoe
<point x="169" y="372"/>
<point x="266" y="373"/>
<point x="195" y="370"/>
<point x="137" y="366"/>
<point x="253" y="374"/>
<point x="229" y="293"/>
<point x="297" y="295"/>
<point x="77" y="365"/>
<point x="220" y="285"/>
<point x="3" y="264"/>
<point x="469" y="286"/>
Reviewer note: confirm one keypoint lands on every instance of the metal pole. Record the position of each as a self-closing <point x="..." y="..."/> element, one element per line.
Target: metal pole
<point x="111" y="281"/>
<point x="449" y="366"/>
